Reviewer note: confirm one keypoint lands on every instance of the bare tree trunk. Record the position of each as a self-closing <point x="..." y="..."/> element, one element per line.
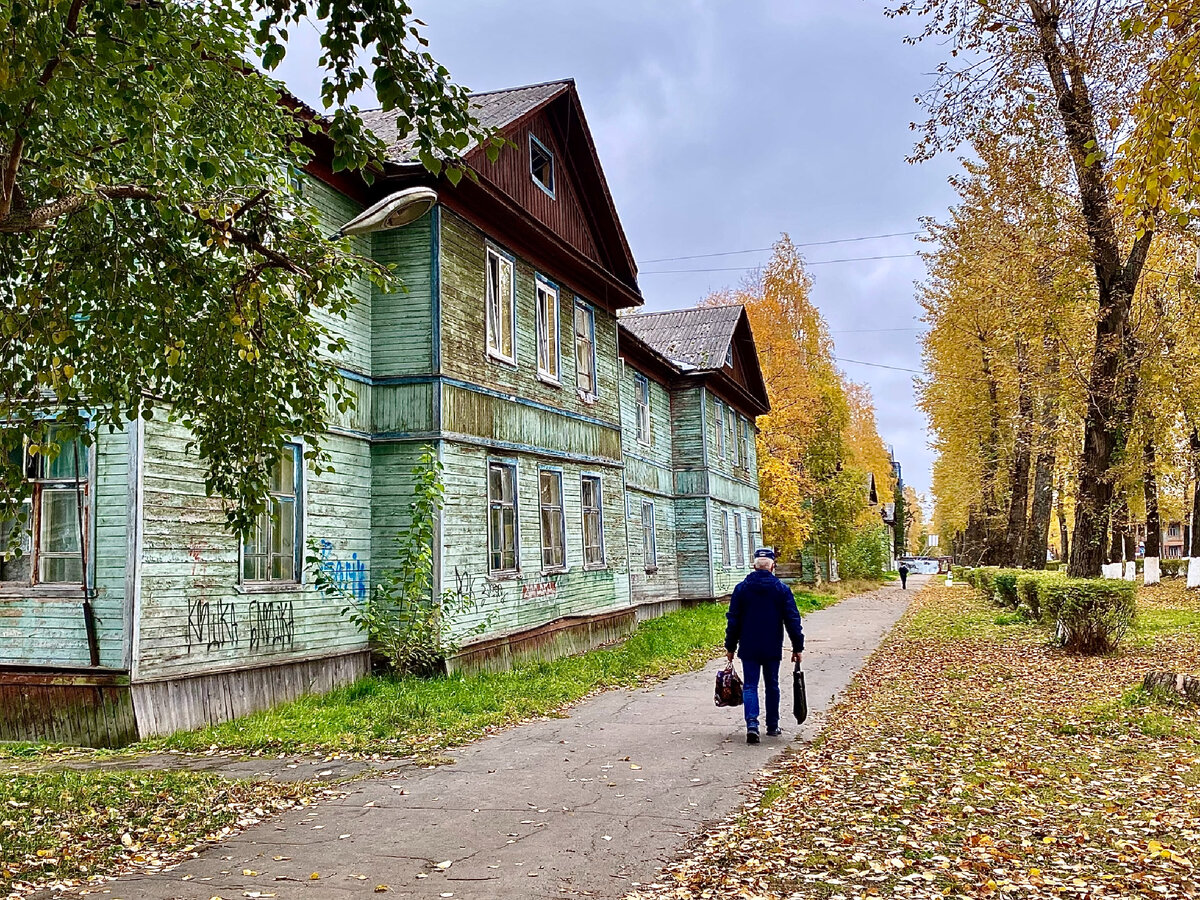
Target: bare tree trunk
<point x="993" y="538"/>
<point x="1194" y="548"/>
<point x="1063" y="537"/>
<point x="1116" y="280"/>
<point x="1018" y="503"/>
<point x="1037" y="538"/>
<point x="1150" y="489"/>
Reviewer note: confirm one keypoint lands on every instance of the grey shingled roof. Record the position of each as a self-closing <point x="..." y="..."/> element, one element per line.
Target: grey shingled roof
<point x="696" y="338"/>
<point x="494" y="109"/>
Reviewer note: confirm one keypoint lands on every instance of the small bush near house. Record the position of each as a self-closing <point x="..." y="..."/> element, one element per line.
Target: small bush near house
<point x="1004" y="587"/>
<point x="1053" y="565"/>
<point x="410" y="630"/>
<point x="958" y="573"/>
<point x="1171" y="568"/>
<point x="1089" y="615"/>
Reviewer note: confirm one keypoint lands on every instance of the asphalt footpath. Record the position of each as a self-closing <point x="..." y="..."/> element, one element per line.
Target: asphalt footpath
<point x="589" y="805"/>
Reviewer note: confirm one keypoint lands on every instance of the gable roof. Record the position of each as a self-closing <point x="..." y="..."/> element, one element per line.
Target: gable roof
<point x="706" y="341"/>
<point x="493" y="109"/>
<point x="699" y="338"/>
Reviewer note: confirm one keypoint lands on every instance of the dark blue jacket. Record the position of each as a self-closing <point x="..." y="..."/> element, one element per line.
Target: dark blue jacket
<point x="760" y="608"/>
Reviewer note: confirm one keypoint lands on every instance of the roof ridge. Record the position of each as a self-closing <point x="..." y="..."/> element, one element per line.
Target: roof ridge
<point x="524" y="87"/>
<point x="685" y="309"/>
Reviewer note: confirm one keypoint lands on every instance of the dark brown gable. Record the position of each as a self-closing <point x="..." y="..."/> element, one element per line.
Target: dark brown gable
<point x="563" y="213"/>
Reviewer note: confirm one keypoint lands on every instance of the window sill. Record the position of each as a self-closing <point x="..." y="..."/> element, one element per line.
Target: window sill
<point x="596" y="567"/>
<point x="651" y="570"/>
<point x="270" y="587"/>
<point x="504" y="361"/>
<point x="549" y="379"/>
<point x="589" y="399"/>
<point x="643" y="443"/>
<point x="557" y="570"/>
<point x="512" y="575"/>
<point x="15" y="590"/>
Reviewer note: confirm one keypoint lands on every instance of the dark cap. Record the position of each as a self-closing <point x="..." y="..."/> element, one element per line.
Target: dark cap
<point x="764" y="553"/>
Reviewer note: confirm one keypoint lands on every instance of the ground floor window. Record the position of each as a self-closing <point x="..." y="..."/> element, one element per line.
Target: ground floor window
<point x="503" y="555"/>
<point x="649" y="541"/>
<point x="44" y="543"/>
<point x="593" y="522"/>
<point x="739" y="539"/>
<point x="725" y="538"/>
<point x="554" y="534"/>
<point x="270" y="552"/>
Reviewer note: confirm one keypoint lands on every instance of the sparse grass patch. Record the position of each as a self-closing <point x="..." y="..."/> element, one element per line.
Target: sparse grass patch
<point x="403" y="716"/>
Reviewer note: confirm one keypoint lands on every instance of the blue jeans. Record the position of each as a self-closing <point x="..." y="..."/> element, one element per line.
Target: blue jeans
<point x="770" y="675"/>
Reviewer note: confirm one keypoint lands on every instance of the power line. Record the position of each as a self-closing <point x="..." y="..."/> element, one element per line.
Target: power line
<point x="860" y="362"/>
<point x="870" y="330"/>
<point x="819" y="262"/>
<point x="852" y="240"/>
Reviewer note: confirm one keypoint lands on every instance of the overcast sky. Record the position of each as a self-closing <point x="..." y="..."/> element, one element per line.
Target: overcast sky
<point x="721" y="125"/>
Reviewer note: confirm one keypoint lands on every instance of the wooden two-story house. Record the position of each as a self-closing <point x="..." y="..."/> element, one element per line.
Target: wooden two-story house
<point x="503" y="352"/>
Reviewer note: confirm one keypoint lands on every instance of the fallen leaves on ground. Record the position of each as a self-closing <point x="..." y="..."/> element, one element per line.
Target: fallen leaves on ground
<point x="970" y="760"/>
<point x="62" y="829"/>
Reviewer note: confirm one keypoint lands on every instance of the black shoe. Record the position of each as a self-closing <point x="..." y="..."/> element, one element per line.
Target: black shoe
<point x="774" y="732"/>
<point x="751" y="737"/>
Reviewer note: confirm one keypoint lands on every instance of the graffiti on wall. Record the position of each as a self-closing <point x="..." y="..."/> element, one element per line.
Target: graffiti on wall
<point x="478" y="587"/>
<point x="350" y="576"/>
<point x="211" y="624"/>
<point x="272" y="624"/>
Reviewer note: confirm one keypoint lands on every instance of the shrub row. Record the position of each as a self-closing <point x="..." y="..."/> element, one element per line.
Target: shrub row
<point x="1086" y="615"/>
<point x="1172" y="568"/>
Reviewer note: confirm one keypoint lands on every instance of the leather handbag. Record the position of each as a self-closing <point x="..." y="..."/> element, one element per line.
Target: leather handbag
<point x="799" y="696"/>
<point x="728" y="691"/>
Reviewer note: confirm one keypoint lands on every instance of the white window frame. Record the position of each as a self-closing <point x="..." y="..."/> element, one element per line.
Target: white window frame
<point x="549" y="189"/>
<point x="642" y="401"/>
<point x="581" y="306"/>
<point x="739" y="538"/>
<point x="510" y="466"/>
<point x="492" y="296"/>
<point x="734" y="447"/>
<point x="598" y="509"/>
<point x="266" y="521"/>
<point x="80" y="486"/>
<point x="549" y="349"/>
<point x="720" y="422"/>
<point x="649" y="537"/>
<point x="744" y="437"/>
<point x="725" y="554"/>
<point x="557" y="474"/>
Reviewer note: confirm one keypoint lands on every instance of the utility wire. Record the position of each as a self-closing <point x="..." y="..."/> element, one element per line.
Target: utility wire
<point x="819" y="262"/>
<point x="852" y="240"/>
<point x="860" y="362"/>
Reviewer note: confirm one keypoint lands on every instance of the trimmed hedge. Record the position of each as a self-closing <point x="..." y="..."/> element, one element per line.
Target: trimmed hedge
<point x="1172" y="568"/>
<point x="958" y="573"/>
<point x="1089" y="615"/>
<point x="1028" y="596"/>
<point x="1053" y="565"/>
<point x="1004" y="587"/>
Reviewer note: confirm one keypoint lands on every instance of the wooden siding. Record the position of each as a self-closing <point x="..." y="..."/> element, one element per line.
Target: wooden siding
<point x="44" y="625"/>
<point x="193" y="616"/>
<point x="563" y="213"/>
<point x="402" y="330"/>
<point x="531" y="597"/>
<point x="692" y="548"/>
<point x="92" y="708"/>
<point x="661" y="583"/>
<point x="334" y="210"/>
<point x="463" y="330"/>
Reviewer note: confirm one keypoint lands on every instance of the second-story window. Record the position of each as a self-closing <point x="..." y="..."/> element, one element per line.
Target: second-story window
<point x="720" y="417"/>
<point x="585" y="351"/>
<point x="744" y="437"/>
<point x="270" y="550"/>
<point x="541" y="165"/>
<point x="501" y="307"/>
<point x="642" y="391"/>
<point x="547" y="330"/>
<point x="734" y="446"/>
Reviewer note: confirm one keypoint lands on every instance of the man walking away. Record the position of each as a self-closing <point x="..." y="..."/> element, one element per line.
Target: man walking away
<point x="761" y="607"/>
<point x="903" y="577"/>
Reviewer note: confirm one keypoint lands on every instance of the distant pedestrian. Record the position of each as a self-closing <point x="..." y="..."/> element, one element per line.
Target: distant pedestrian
<point x="903" y="577"/>
<point x="761" y="608"/>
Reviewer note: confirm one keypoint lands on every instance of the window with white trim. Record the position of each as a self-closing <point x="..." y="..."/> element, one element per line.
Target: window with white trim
<point x="585" y="351"/>
<point x="744" y="437"/>
<point x="547" y="330"/>
<point x="554" y="524"/>
<point x="739" y="539"/>
<point x="751" y="530"/>
<point x="271" y="549"/>
<point x="501" y="307"/>
<point x="503" y="548"/>
<point x="592" y="501"/>
<point x="720" y="422"/>
<point x="649" y="539"/>
<point x="47" y="533"/>
<point x="725" y="554"/>
<point x="541" y="165"/>
<point x="642" y="395"/>
<point x="734" y="446"/>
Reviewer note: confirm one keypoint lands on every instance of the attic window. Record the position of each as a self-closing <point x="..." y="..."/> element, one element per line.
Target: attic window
<point x="541" y="165"/>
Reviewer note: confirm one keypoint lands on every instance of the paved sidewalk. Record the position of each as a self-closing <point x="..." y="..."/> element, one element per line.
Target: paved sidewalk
<point x="583" y="806"/>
